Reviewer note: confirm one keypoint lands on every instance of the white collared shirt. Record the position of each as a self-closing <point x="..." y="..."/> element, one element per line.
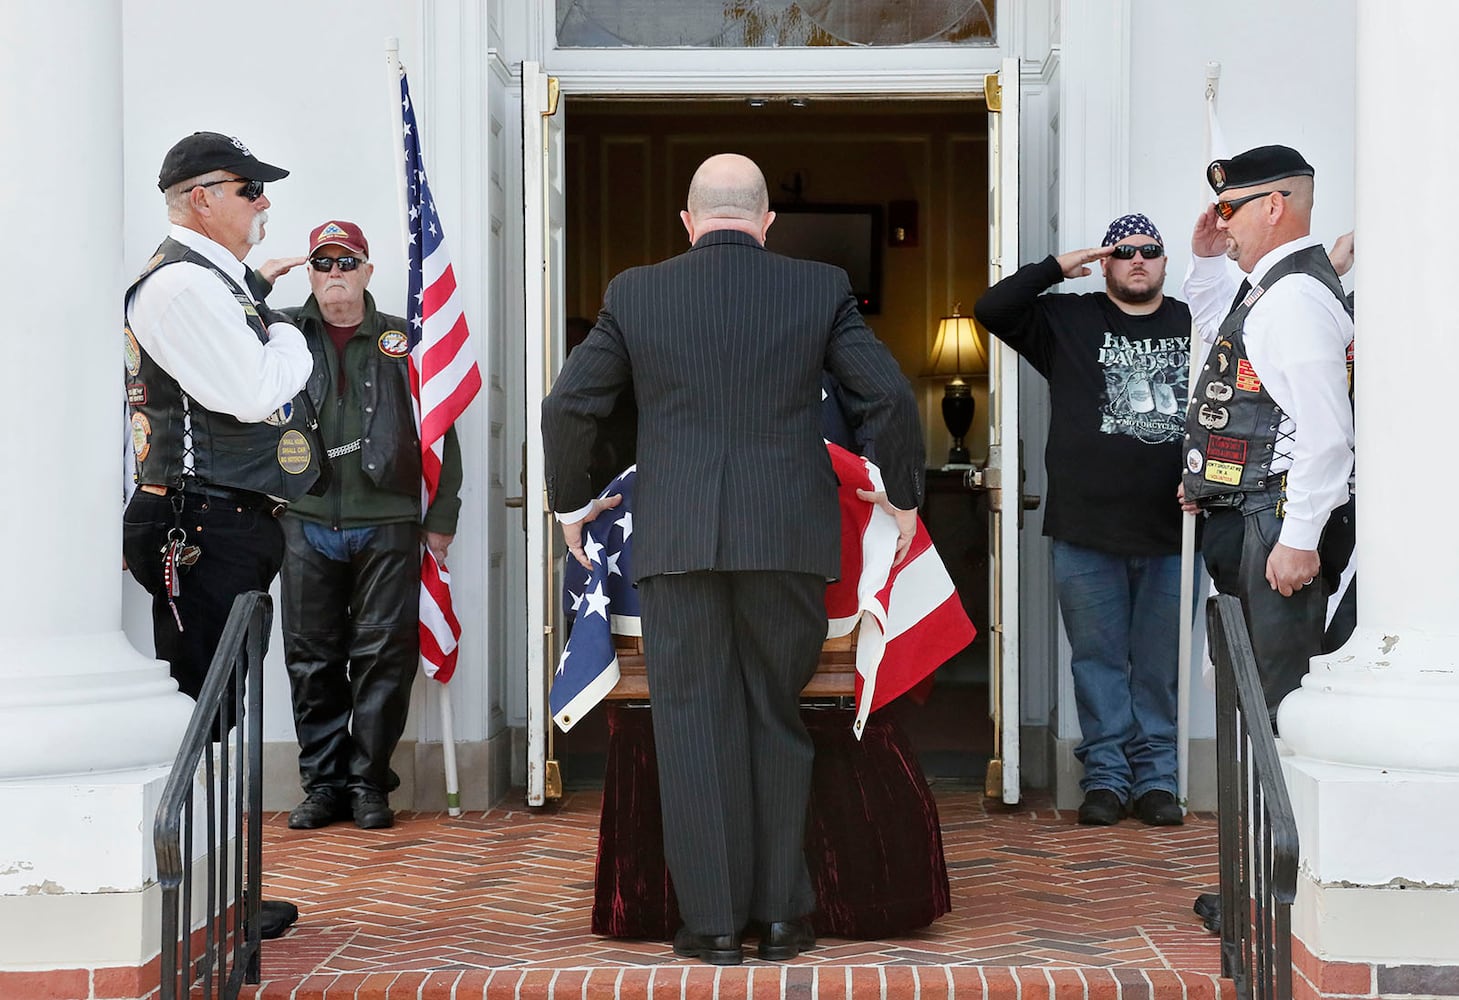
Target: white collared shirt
<point x="191" y="325"/>
<point x="1297" y="335"/>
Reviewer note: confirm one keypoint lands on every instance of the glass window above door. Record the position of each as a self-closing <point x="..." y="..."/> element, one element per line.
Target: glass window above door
<point x="772" y="23"/>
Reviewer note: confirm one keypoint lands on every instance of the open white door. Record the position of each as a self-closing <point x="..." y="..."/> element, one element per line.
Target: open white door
<point x="542" y="208"/>
<point x="1003" y="475"/>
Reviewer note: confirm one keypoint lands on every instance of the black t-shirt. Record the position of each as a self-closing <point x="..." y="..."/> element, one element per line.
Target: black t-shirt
<point x="1117" y="388"/>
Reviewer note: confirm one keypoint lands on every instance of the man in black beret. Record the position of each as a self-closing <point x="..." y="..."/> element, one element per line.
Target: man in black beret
<point x="218" y="425"/>
<point x="1269" y="432"/>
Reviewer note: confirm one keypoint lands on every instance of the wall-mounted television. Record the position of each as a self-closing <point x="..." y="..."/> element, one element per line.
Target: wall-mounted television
<point x="848" y="236"/>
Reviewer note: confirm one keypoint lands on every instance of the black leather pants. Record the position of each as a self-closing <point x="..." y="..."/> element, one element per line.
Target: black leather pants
<point x="351" y="646"/>
<point x="1286" y="632"/>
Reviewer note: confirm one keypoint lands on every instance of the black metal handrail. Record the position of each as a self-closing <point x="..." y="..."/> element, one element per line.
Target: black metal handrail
<point x="231" y="837"/>
<point x="1258" y="831"/>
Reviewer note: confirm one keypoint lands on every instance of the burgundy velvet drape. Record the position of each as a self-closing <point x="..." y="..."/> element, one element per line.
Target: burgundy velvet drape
<point x="873" y="842"/>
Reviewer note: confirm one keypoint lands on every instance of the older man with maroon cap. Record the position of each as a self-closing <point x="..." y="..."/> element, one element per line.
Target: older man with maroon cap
<point x="351" y="574"/>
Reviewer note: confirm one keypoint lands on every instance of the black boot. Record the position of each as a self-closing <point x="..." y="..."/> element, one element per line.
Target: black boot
<point x="321" y="807"/>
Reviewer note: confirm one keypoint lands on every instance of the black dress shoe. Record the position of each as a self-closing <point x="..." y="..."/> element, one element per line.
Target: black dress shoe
<point x="782" y="940"/>
<point x="716" y="949"/>
<point x="371" y="809"/>
<point x="321" y="807"/>
<point x="274" y="917"/>
<point x="1158" y="807"/>
<point x="1101" y="807"/>
<point x="1208" y="908"/>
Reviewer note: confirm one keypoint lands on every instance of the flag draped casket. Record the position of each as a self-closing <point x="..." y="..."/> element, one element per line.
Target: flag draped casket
<point x="910" y="616"/>
<point x="866" y="777"/>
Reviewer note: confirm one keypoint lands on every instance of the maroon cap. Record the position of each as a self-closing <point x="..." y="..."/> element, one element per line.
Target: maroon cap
<point x="341" y="234"/>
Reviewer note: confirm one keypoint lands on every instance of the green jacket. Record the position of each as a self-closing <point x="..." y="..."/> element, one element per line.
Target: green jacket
<point x="379" y="482"/>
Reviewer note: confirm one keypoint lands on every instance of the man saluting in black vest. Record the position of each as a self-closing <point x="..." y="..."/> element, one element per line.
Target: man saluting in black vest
<point x="212" y="376"/>
<point x="218" y="429"/>
<point x="1269" y="434"/>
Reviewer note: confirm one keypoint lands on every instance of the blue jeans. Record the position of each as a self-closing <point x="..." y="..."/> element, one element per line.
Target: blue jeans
<point x="339" y="546"/>
<point x="1122" y="614"/>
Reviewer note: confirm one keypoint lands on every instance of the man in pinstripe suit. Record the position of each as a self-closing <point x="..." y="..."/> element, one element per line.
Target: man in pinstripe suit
<point x="736" y="531"/>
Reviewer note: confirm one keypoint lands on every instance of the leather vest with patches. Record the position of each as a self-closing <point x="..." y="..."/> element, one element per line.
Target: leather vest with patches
<point x="279" y="456"/>
<point x="1232" y="424"/>
<point x="389" y="442"/>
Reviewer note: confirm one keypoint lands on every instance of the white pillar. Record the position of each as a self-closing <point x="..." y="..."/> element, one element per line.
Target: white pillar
<point x="88" y="726"/>
<point x="1375" y="726"/>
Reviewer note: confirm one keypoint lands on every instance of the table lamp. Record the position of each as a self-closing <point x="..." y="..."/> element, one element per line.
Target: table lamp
<point x="958" y="352"/>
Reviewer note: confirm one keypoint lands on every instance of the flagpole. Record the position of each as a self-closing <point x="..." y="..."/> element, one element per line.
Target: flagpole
<point x="393" y="73"/>
<point x="1188" y="525"/>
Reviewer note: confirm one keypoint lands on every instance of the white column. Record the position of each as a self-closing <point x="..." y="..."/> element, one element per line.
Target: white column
<point x="1375" y="726"/>
<point x="87" y="724"/>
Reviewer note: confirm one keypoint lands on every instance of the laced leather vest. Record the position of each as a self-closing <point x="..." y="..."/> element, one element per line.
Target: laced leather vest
<point x="1233" y="426"/>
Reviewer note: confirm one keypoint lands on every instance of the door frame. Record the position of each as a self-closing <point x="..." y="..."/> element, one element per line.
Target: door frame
<point x="590" y="74"/>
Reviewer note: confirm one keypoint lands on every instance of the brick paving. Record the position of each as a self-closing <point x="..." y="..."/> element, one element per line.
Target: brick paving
<point x="497" y="905"/>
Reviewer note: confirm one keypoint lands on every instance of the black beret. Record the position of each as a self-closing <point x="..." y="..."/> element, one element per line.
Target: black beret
<point x="1257" y="166"/>
<point x="204" y="152"/>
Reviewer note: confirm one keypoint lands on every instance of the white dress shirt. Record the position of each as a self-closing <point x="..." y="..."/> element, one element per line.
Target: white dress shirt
<point x="189" y="322"/>
<point x="1297" y="335"/>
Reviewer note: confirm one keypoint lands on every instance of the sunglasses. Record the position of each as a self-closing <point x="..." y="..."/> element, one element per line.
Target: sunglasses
<point x="326" y="264"/>
<point x="1226" y="209"/>
<point x="1126" y="251"/>
<point x="251" y="190"/>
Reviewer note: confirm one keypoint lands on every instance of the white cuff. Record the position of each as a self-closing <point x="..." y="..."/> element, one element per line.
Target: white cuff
<point x="1297" y="534"/>
<point x="574" y="516"/>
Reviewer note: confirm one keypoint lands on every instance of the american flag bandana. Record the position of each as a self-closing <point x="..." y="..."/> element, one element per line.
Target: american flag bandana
<point x="1133" y="224"/>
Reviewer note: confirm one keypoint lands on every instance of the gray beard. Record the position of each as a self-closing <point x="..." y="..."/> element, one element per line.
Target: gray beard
<point x="255" y="229"/>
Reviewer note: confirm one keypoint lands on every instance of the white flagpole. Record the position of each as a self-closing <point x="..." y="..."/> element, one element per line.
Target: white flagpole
<point x="393" y="73"/>
<point x="1188" y="527"/>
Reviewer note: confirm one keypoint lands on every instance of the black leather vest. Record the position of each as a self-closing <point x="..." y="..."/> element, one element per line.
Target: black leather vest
<point x="279" y="456"/>
<point x="389" y="442"/>
<point x="1232" y="427"/>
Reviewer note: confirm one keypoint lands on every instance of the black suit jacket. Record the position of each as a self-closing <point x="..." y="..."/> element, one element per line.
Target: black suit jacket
<point x="724" y="347"/>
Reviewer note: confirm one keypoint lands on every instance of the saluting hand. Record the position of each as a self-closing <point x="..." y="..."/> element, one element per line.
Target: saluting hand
<point x="1341" y="254"/>
<point x="573" y="533"/>
<point x="1073" y="263"/>
<point x="276" y="267"/>
<point x="1206" y="239"/>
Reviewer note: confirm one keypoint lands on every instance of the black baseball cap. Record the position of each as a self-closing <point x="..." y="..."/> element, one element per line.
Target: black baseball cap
<point x="1261" y="165"/>
<point x="203" y="152"/>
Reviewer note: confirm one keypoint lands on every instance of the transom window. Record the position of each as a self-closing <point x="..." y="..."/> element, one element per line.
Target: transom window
<point x="772" y="23"/>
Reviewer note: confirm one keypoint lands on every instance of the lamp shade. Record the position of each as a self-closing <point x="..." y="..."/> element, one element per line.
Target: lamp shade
<point x="957" y="350"/>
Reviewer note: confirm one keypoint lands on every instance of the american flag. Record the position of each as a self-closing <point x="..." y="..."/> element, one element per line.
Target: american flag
<point x="600" y="604"/>
<point x="443" y="379"/>
<point x="910" y="616"/>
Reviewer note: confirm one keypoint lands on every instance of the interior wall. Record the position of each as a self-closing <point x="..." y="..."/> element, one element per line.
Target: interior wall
<point x="629" y="166"/>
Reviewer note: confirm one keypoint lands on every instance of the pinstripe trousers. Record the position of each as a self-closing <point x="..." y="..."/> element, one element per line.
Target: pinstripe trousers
<point x="727" y="655"/>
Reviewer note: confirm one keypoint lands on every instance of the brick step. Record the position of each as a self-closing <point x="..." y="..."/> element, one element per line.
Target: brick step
<point x="758" y="980"/>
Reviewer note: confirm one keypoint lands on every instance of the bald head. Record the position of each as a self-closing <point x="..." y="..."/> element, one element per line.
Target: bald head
<point x="728" y="192"/>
